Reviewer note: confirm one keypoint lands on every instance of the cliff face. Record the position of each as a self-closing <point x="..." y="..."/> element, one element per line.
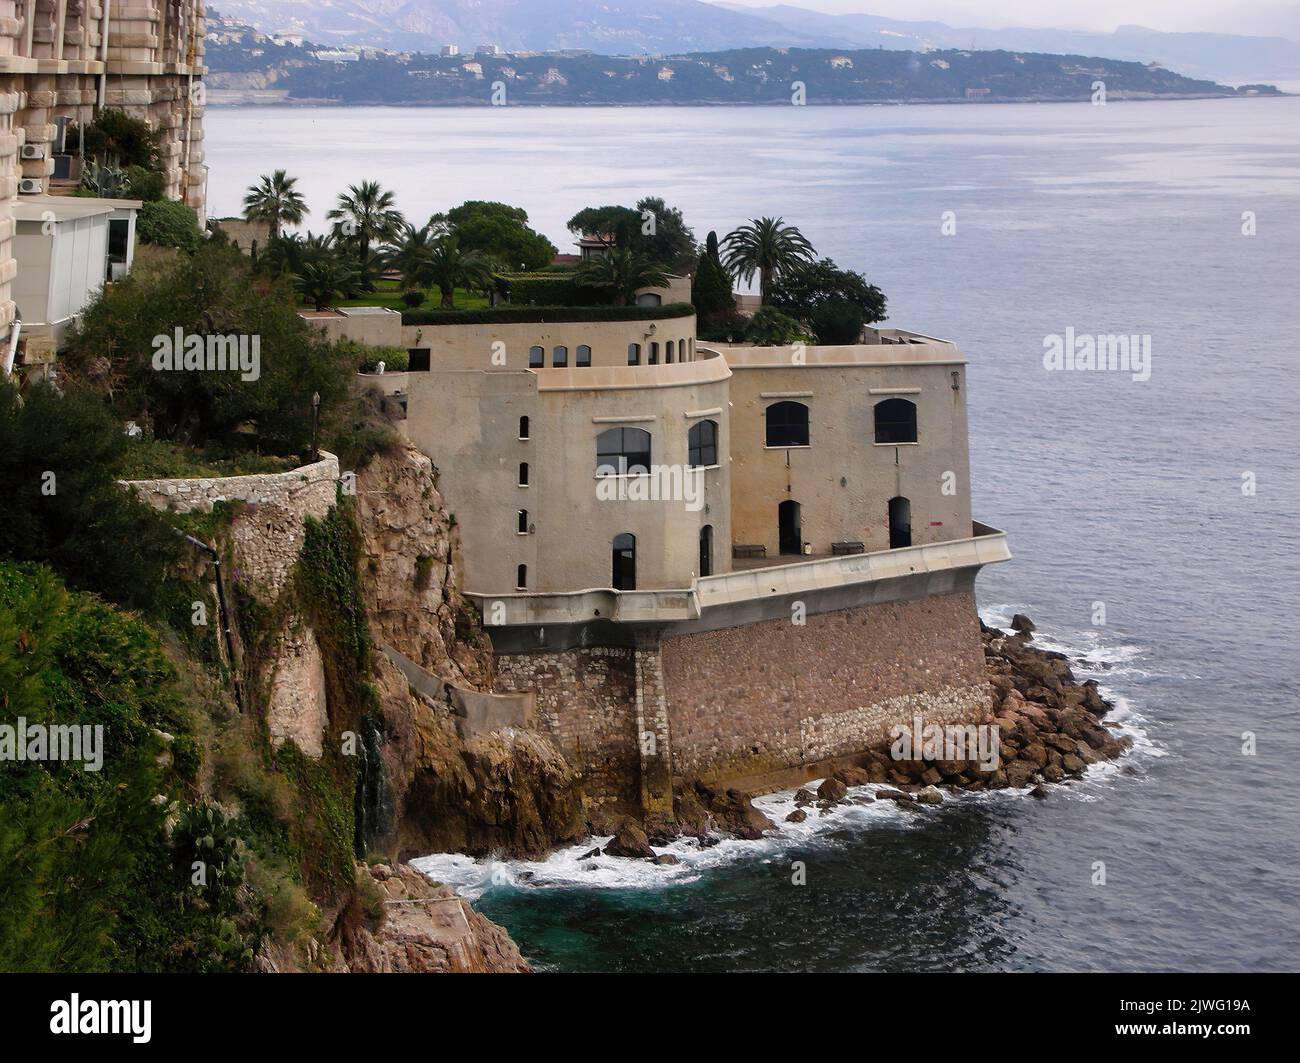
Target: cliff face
<point x="508" y="791"/>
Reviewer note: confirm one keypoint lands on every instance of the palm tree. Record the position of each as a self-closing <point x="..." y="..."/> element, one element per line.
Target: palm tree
<point x="411" y="254"/>
<point x="275" y="201"/>
<point x="366" y="214"/>
<point x="320" y="273"/>
<point x="768" y="247"/>
<point x="451" y="268"/>
<point x="620" y="275"/>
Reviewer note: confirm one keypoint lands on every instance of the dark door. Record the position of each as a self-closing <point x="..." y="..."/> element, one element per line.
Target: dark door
<point x="900" y="523"/>
<point x="624" y="578"/>
<point x="706" y="550"/>
<point x="791" y="532"/>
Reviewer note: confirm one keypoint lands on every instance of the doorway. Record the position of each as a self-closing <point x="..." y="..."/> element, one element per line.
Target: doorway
<point x="900" y="523"/>
<point x="624" y="576"/>
<point x="790" y="527"/>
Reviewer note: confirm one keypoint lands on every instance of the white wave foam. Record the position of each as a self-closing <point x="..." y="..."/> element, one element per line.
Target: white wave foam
<point x="573" y="868"/>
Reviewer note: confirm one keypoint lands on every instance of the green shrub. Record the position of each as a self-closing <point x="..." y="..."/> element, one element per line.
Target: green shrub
<point x="538" y="289"/>
<point x="771" y="328"/>
<point x="166" y="223"/>
<point x="542" y="314"/>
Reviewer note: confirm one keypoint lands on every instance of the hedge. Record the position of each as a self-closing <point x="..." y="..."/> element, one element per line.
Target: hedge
<point x="522" y="315"/>
<point x="538" y="289"/>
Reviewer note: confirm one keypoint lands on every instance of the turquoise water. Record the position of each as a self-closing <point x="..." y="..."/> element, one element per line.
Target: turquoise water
<point x="1118" y="219"/>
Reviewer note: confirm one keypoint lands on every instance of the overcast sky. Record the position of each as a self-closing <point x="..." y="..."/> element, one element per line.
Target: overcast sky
<point x="1263" y="17"/>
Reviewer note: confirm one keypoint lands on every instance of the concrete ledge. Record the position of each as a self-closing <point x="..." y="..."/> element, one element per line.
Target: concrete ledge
<point x="533" y="623"/>
<point x="476" y="713"/>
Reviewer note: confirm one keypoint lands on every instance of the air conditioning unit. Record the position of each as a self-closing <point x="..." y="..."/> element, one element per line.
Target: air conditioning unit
<point x="33" y="151"/>
<point x="30" y="186"/>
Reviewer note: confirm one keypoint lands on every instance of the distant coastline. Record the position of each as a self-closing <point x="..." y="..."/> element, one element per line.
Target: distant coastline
<point x="270" y="98"/>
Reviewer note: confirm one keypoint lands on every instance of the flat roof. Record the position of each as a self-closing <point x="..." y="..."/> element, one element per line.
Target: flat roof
<point x="68" y="208"/>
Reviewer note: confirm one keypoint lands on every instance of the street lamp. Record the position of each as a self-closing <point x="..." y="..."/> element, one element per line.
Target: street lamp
<point x="315" y="426"/>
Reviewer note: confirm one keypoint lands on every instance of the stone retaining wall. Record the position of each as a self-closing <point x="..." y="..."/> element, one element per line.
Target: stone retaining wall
<point x="269" y="537"/>
<point x="745" y="701"/>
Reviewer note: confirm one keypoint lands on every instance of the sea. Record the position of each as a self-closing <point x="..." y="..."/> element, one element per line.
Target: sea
<point x="1154" y="512"/>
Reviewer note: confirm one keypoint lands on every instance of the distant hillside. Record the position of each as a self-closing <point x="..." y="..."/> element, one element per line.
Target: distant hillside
<point x="247" y="65"/>
<point x="626" y="27"/>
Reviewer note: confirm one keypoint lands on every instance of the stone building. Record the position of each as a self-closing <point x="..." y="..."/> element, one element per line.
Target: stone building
<point x="735" y="563"/>
<point x="61" y="61"/>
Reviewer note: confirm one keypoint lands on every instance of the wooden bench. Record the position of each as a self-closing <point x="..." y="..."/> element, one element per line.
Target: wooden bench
<point x="743" y="550"/>
<point x="844" y="549"/>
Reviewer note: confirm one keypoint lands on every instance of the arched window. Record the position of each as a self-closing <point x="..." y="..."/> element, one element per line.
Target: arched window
<point x="521" y="577"/>
<point x="895" y="421"/>
<point x="787" y="424"/>
<point x="559" y="357"/>
<point x="669" y="348"/>
<point x="702" y="444"/>
<point x="706" y="550"/>
<point x="523" y="428"/>
<point x="622" y="450"/>
<point x="900" y="523"/>
<point x="654" y="354"/>
<point x="623" y="577"/>
<point x="536" y="357"/>
<point x="582" y="357"/>
<point x="649" y="299"/>
<point x="634" y="354"/>
<point x="523" y="522"/>
<point x="523" y="474"/>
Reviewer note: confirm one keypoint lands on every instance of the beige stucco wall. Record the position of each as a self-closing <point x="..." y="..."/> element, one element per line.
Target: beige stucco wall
<point x="474" y="346"/>
<point x="843" y="480"/>
<point x="468" y="422"/>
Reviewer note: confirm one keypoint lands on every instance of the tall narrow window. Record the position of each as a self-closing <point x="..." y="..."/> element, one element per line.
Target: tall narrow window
<point x="654" y="354"/>
<point x="523" y="474"/>
<point x="895" y="421"/>
<point x="702" y="443"/>
<point x="634" y="354"/>
<point x="787" y="424"/>
<point x="623" y="576"/>
<point x="521" y="577"/>
<point x="536" y="357"/>
<point x="706" y="550"/>
<point x="582" y="357"/>
<point x="523" y="428"/>
<point x="900" y="523"/>
<point x="523" y="522"/>
<point x="559" y="357"/>
<point x="669" y="348"/>
<point x="622" y="450"/>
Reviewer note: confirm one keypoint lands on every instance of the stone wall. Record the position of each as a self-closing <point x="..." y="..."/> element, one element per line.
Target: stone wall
<point x="587" y="704"/>
<point x="747" y="700"/>
<point x="268" y="534"/>
<point x="266" y="537"/>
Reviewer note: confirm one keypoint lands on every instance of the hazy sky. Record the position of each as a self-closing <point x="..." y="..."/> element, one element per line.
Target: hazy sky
<point x="1264" y="17"/>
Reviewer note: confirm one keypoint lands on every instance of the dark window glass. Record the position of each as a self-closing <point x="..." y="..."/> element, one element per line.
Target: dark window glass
<point x="523" y="474"/>
<point x="523" y="521"/>
<point x="622" y="450"/>
<point x="654" y="354"/>
<point x="536" y="357"/>
<point x="669" y="348"/>
<point x="624" y="574"/>
<point x="787" y="424"/>
<point x="895" y="421"/>
<point x="523" y="428"/>
<point x="634" y="354"/>
<point x="521" y="576"/>
<point x="582" y="356"/>
<point x="559" y="357"/>
<point x="702" y="443"/>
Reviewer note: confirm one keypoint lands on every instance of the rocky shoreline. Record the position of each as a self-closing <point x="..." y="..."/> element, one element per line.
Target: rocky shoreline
<point x="1050" y="729"/>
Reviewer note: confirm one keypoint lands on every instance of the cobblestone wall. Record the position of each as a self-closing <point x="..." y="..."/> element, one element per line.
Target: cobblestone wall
<point x="587" y="703"/>
<point x="777" y="694"/>
<point x="747" y="700"/>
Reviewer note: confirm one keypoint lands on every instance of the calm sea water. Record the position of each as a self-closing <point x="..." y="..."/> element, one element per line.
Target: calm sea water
<point x="1118" y="219"/>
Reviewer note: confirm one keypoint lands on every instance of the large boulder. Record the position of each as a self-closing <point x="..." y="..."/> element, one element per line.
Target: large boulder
<point x="832" y="789"/>
<point x="630" y="841"/>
